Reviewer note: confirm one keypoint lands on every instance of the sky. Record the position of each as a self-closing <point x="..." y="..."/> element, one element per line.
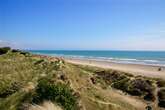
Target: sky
<point x="83" y="24"/>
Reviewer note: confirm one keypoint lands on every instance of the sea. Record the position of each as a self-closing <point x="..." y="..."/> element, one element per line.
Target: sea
<point x="156" y="58"/>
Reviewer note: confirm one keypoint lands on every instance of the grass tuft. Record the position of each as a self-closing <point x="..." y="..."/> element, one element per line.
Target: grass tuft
<point x="59" y="93"/>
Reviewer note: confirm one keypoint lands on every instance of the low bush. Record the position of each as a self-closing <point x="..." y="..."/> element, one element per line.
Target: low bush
<point x="150" y="96"/>
<point x="110" y="76"/>
<point x="141" y="87"/>
<point x="122" y="84"/>
<point x="38" y="62"/>
<point x="21" y="52"/>
<point x="15" y="50"/>
<point x="141" y="84"/>
<point x="58" y="93"/>
<point x="56" y="64"/>
<point x="137" y="86"/>
<point x="25" y="53"/>
<point x="4" y="50"/>
<point x="161" y="97"/>
<point x="161" y="83"/>
<point x="14" y="87"/>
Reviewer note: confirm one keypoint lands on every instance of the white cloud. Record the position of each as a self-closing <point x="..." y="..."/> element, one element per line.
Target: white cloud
<point x="8" y="44"/>
<point x="4" y="43"/>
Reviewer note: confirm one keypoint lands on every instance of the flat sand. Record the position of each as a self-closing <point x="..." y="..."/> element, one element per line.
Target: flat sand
<point x="135" y="69"/>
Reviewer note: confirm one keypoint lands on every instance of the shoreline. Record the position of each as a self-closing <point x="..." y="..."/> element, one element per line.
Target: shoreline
<point x="135" y="69"/>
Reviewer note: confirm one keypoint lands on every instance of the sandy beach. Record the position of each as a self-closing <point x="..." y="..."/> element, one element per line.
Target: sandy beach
<point x="135" y="69"/>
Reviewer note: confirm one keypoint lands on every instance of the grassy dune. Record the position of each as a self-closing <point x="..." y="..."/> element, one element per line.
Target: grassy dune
<point x="26" y="79"/>
<point x="34" y="82"/>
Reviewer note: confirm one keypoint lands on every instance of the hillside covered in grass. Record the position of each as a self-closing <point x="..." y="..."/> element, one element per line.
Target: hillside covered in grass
<point x="32" y="82"/>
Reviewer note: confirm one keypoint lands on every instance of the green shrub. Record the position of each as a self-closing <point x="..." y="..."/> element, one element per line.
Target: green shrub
<point x="142" y="87"/>
<point x="15" y="50"/>
<point x="14" y="87"/>
<point x="21" y="52"/>
<point x="38" y="62"/>
<point x="122" y="84"/>
<point x="58" y="93"/>
<point x="4" y="50"/>
<point x="25" y="53"/>
<point x="149" y="96"/>
<point x="110" y="76"/>
<point x="161" y="83"/>
<point x="138" y="86"/>
<point x="161" y="97"/>
<point x="135" y="91"/>
<point x="56" y="65"/>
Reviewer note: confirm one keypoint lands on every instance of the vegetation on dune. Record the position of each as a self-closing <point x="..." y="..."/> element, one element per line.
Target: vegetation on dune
<point x="13" y="101"/>
<point x="10" y="89"/>
<point x="137" y="86"/>
<point x="46" y="105"/>
<point x="95" y="96"/>
<point x="160" y="83"/>
<point x="122" y="84"/>
<point x="59" y="93"/>
<point x="140" y="86"/>
<point x="161" y="97"/>
<point x="4" y="50"/>
<point x="27" y="80"/>
<point x="24" y="80"/>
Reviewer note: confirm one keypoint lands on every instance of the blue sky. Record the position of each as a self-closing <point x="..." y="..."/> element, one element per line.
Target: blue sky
<point x="83" y="24"/>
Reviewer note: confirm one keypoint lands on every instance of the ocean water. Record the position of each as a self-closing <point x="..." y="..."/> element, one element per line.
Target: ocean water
<point x="133" y="57"/>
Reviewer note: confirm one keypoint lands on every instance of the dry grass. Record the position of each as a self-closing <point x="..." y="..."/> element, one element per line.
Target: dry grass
<point x="102" y="90"/>
<point x="20" y="74"/>
<point x="47" y="105"/>
<point x="94" y="97"/>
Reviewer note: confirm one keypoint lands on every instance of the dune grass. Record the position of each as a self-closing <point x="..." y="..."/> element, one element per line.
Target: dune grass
<point x="143" y="87"/>
<point x="47" y="105"/>
<point x="20" y="82"/>
<point x="29" y="82"/>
